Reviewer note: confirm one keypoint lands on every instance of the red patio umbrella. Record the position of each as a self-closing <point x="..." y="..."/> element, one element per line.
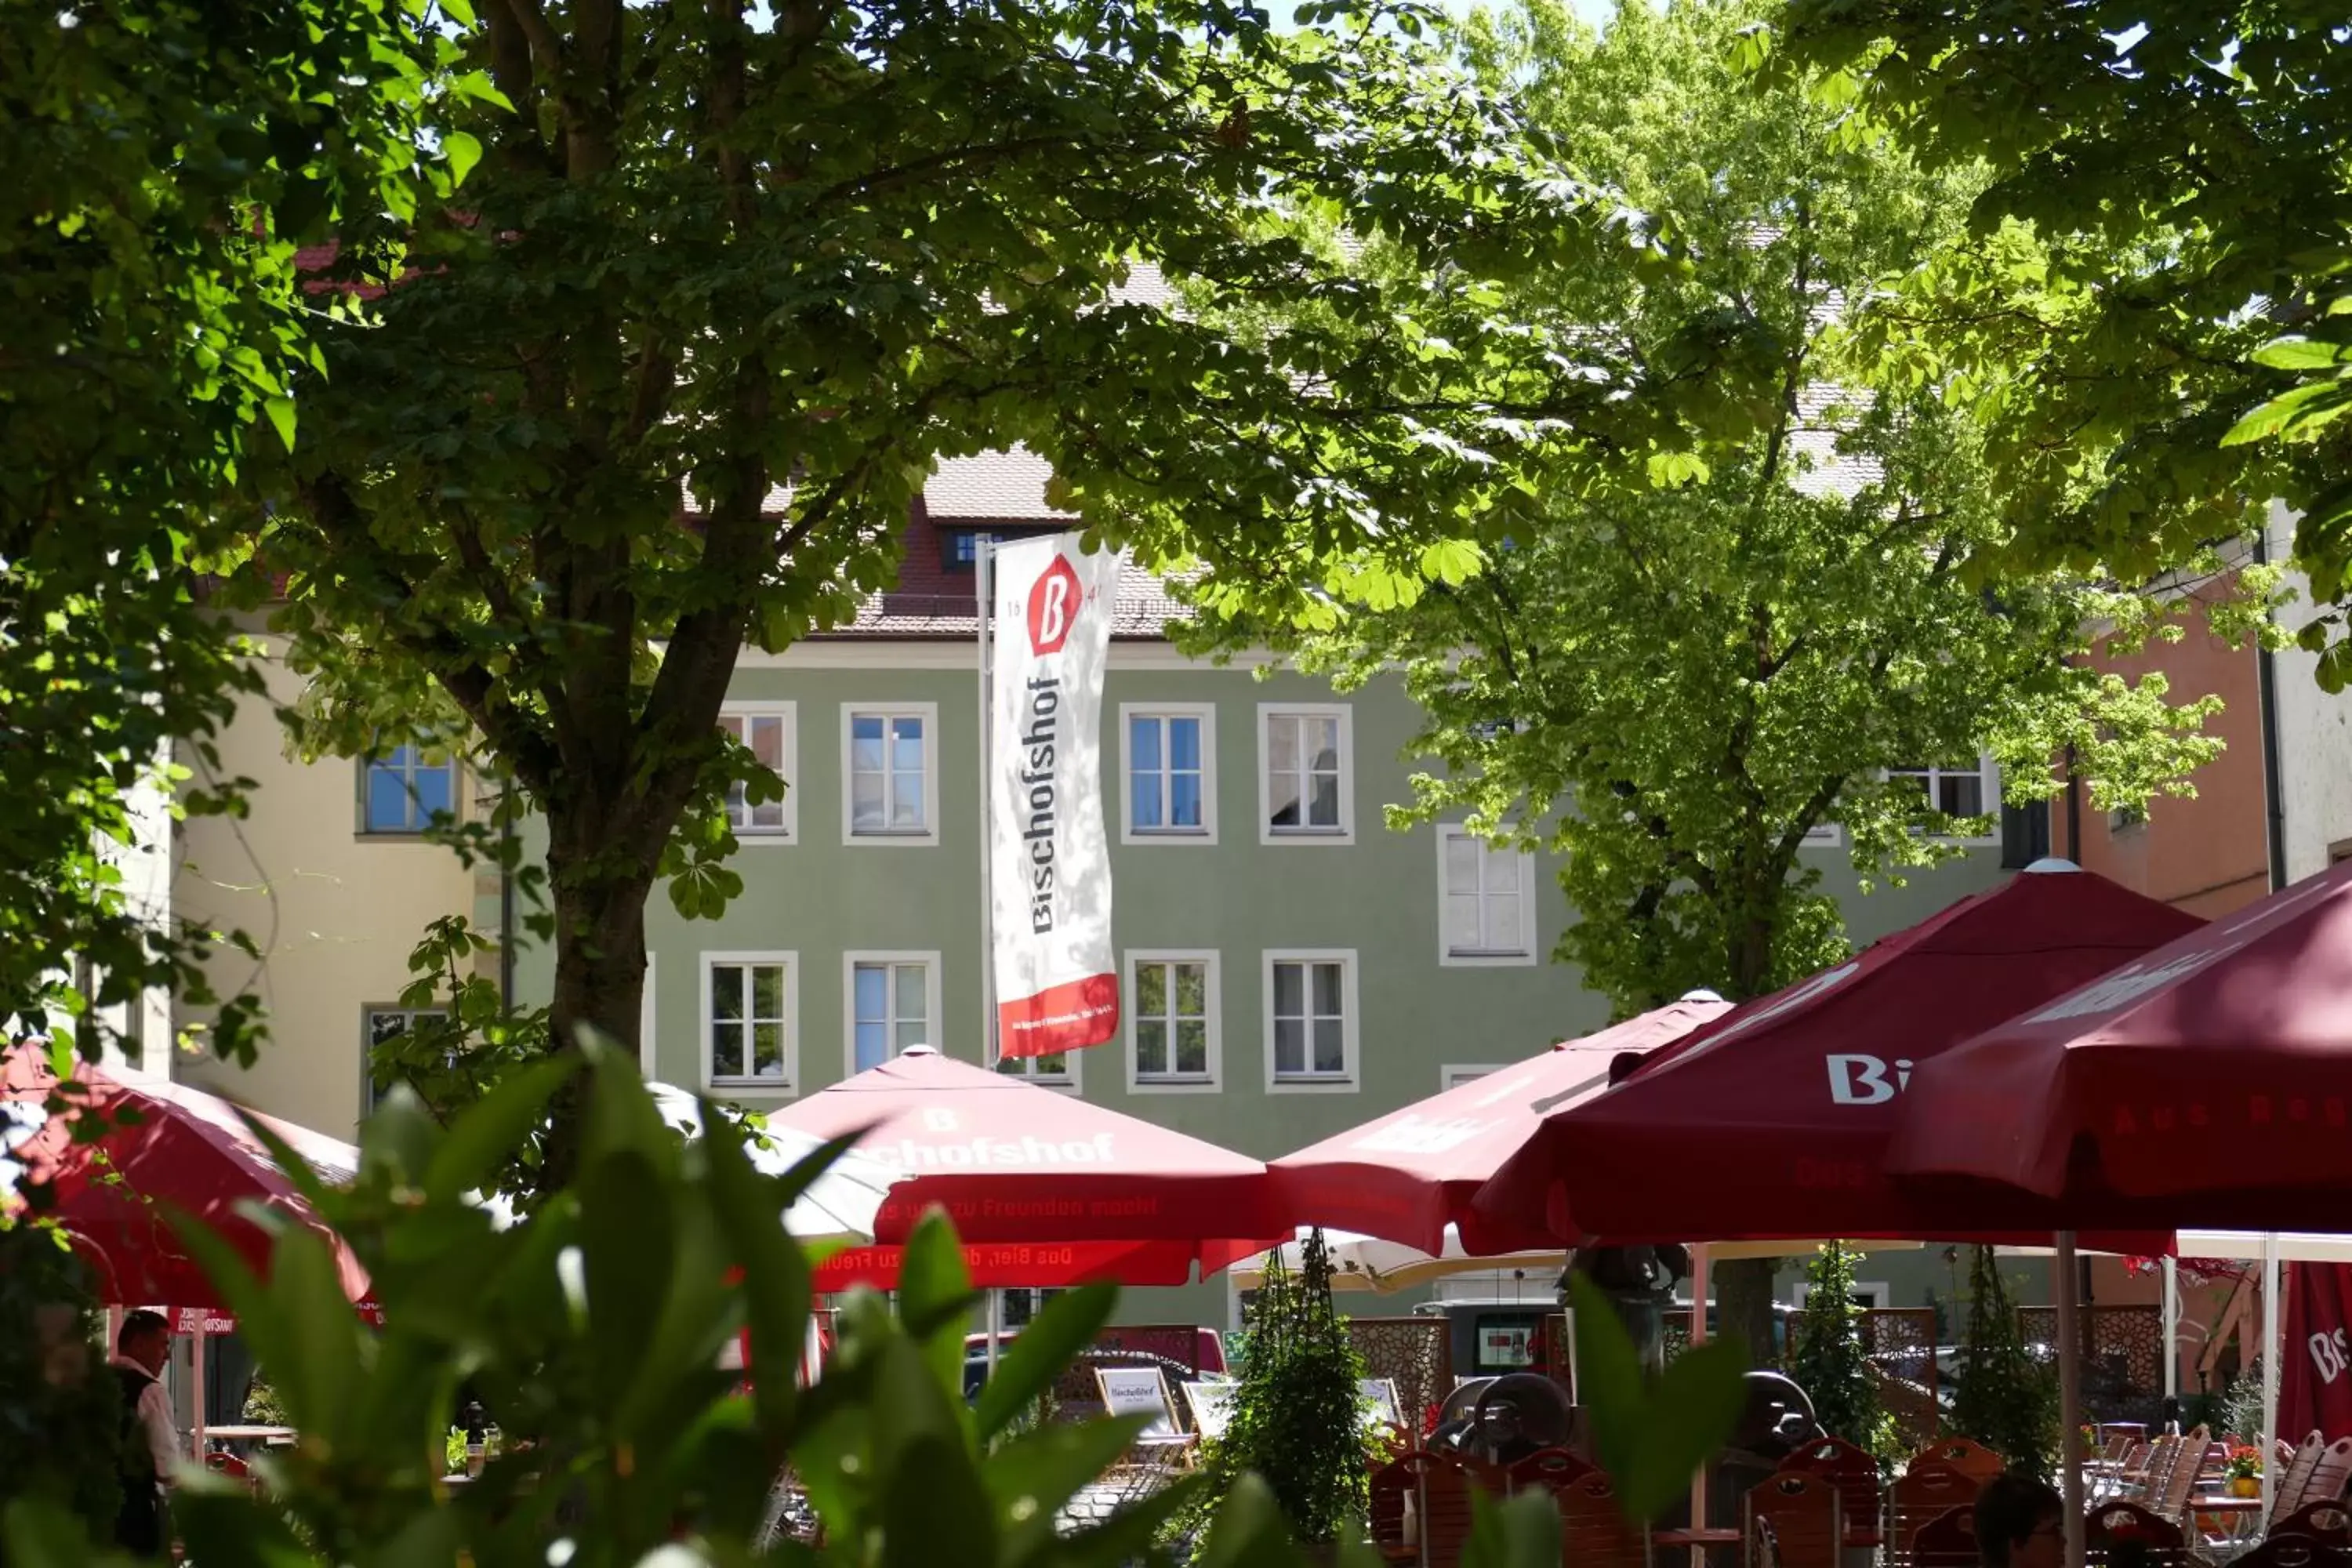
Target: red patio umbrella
<point x="1409" y="1174"/>
<point x="189" y="1151"/>
<point x="1773" y="1120"/>
<point x="1045" y="1189"/>
<point x="2210" y="1080"/>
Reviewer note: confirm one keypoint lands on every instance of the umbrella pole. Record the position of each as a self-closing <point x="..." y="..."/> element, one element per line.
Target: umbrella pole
<point x="995" y="1327"/>
<point x="2172" y="1330"/>
<point x="2270" y="1365"/>
<point x="196" y="1384"/>
<point x="2070" y="1393"/>
<point x="1701" y="1272"/>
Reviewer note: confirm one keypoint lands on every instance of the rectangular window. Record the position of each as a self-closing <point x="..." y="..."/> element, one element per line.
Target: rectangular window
<point x="403" y="789"/>
<point x="1310" y="1019"/>
<point x="1487" y="893"/>
<point x="379" y="1026"/>
<point x="893" y="1003"/>
<point x="1304" y="779"/>
<point x="1058" y="1071"/>
<point x="1956" y="789"/>
<point x="890" y="775"/>
<point x="751" y="1001"/>
<point x="767" y="729"/>
<point x="1171" y="1021"/>
<point x="1169" y="787"/>
<point x="1454" y="1075"/>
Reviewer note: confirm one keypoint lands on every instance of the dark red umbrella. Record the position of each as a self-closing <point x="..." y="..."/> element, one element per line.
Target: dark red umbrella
<point x="1045" y="1189"/>
<point x="1774" y="1120"/>
<point x="2315" y="1392"/>
<point x="2210" y="1080"/>
<point x="1408" y="1176"/>
<point x="189" y="1153"/>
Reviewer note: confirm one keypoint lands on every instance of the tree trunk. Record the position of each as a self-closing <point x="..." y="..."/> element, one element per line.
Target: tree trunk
<point x="600" y="972"/>
<point x="1743" y="1296"/>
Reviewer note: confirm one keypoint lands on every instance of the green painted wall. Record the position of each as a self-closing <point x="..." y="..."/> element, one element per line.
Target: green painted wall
<point x="819" y="899"/>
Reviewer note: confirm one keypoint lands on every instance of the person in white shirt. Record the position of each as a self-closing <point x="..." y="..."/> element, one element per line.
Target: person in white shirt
<point x="149" y="1444"/>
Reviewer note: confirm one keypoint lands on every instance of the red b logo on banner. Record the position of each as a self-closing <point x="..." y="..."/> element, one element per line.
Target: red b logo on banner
<point x="1052" y="605"/>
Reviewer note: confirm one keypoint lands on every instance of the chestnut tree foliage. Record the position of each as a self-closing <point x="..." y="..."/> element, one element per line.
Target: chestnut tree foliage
<point x="2149" y="301"/>
<point x="163" y="158"/>
<point x="724" y="281"/>
<point x="1684" y="662"/>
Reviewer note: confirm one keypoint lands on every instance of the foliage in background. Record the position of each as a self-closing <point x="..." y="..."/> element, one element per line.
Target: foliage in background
<point x="2171" y="189"/>
<point x="61" y="1409"/>
<point x="727" y="281"/>
<point x="2001" y="1395"/>
<point x="1296" y="1417"/>
<point x="1830" y="1360"/>
<point x="593" y="1329"/>
<point x="2240" y="1410"/>
<point x="163" y="158"/>
<point x="1776" y="585"/>
<point x="1650" y="1436"/>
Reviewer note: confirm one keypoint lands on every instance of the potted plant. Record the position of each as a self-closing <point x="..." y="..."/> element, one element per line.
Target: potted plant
<point x="2245" y="1467"/>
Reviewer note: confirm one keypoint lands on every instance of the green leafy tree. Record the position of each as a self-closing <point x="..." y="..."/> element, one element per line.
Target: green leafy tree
<point x="1786" y="590"/>
<point x="163" y="157"/>
<point x="1297" y="1412"/>
<point x="1829" y="1358"/>
<point x="726" y="280"/>
<point x="2002" y="1397"/>
<point x="2169" y="190"/>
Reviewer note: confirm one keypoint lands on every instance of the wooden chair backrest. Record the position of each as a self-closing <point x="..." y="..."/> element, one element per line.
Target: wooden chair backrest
<point x="1391" y="1483"/>
<point x="1795" y="1521"/>
<point x="1852" y="1471"/>
<point x="1965" y="1455"/>
<point x="1928" y="1490"/>
<point x="2329" y="1477"/>
<point x="2117" y="1445"/>
<point x="1592" y="1530"/>
<point x="2294" y="1552"/>
<point x="2327" y="1521"/>
<point x="1443" y="1486"/>
<point x="2168" y="1496"/>
<point x="2114" y="1528"/>
<point x="1947" y="1540"/>
<point x="2295" y="1475"/>
<point x="1548" y="1469"/>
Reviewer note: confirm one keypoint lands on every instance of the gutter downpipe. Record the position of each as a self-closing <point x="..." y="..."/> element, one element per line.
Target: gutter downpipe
<point x="2266" y="684"/>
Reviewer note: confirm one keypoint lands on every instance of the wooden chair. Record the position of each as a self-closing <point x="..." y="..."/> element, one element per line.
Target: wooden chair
<point x="1163" y="1447"/>
<point x="1794" y="1520"/>
<point x="2168" y="1496"/>
<point x="1947" y="1540"/>
<point x="1443" y="1486"/>
<point x="2294" y="1476"/>
<point x="1965" y="1455"/>
<point x="1928" y="1490"/>
<point x="1548" y="1469"/>
<point x="1592" y="1530"/>
<point x="2328" y="1521"/>
<point x="1391" y="1485"/>
<point x="2329" y="1477"/>
<point x="2294" y="1552"/>
<point x="1211" y="1406"/>
<point x="1855" y="1473"/>
<point x="2126" y="1534"/>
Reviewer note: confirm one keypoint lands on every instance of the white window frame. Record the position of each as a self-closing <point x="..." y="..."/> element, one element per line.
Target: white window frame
<point x="706" y="1069"/>
<point x="1267" y="712"/>
<point x="1213" y="998"/>
<point x="1454" y="1075"/>
<point x="1070" y="1081"/>
<point x="1988" y="777"/>
<point x="1206" y="713"/>
<point x="789" y="833"/>
<point x="449" y="764"/>
<point x="929" y="712"/>
<point x="369" y="1013"/>
<point x="1878" y="1293"/>
<point x="1449" y="959"/>
<point x="1350" y="1024"/>
<point x="849" y="963"/>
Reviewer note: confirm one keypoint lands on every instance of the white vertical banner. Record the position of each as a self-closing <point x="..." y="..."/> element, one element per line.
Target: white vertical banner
<point x="1049" y="859"/>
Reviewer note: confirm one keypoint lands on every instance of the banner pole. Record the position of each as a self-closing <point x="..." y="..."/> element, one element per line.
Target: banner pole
<point x="983" y="570"/>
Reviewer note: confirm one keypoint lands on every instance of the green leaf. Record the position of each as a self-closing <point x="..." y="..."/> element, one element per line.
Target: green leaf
<point x="1247" y="1531"/>
<point x="463" y="152"/>
<point x="2301" y="353"/>
<point x="775" y="1272"/>
<point x="936" y="1296"/>
<point x="1052" y="1339"/>
<point x="1608" y="1378"/>
<point x="1033" y="1476"/>
<point x="621" y="1195"/>
<point x="479" y="1142"/>
<point x="1696" y="1405"/>
<point x="1521" y="1532"/>
<point x="934" y="1509"/>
